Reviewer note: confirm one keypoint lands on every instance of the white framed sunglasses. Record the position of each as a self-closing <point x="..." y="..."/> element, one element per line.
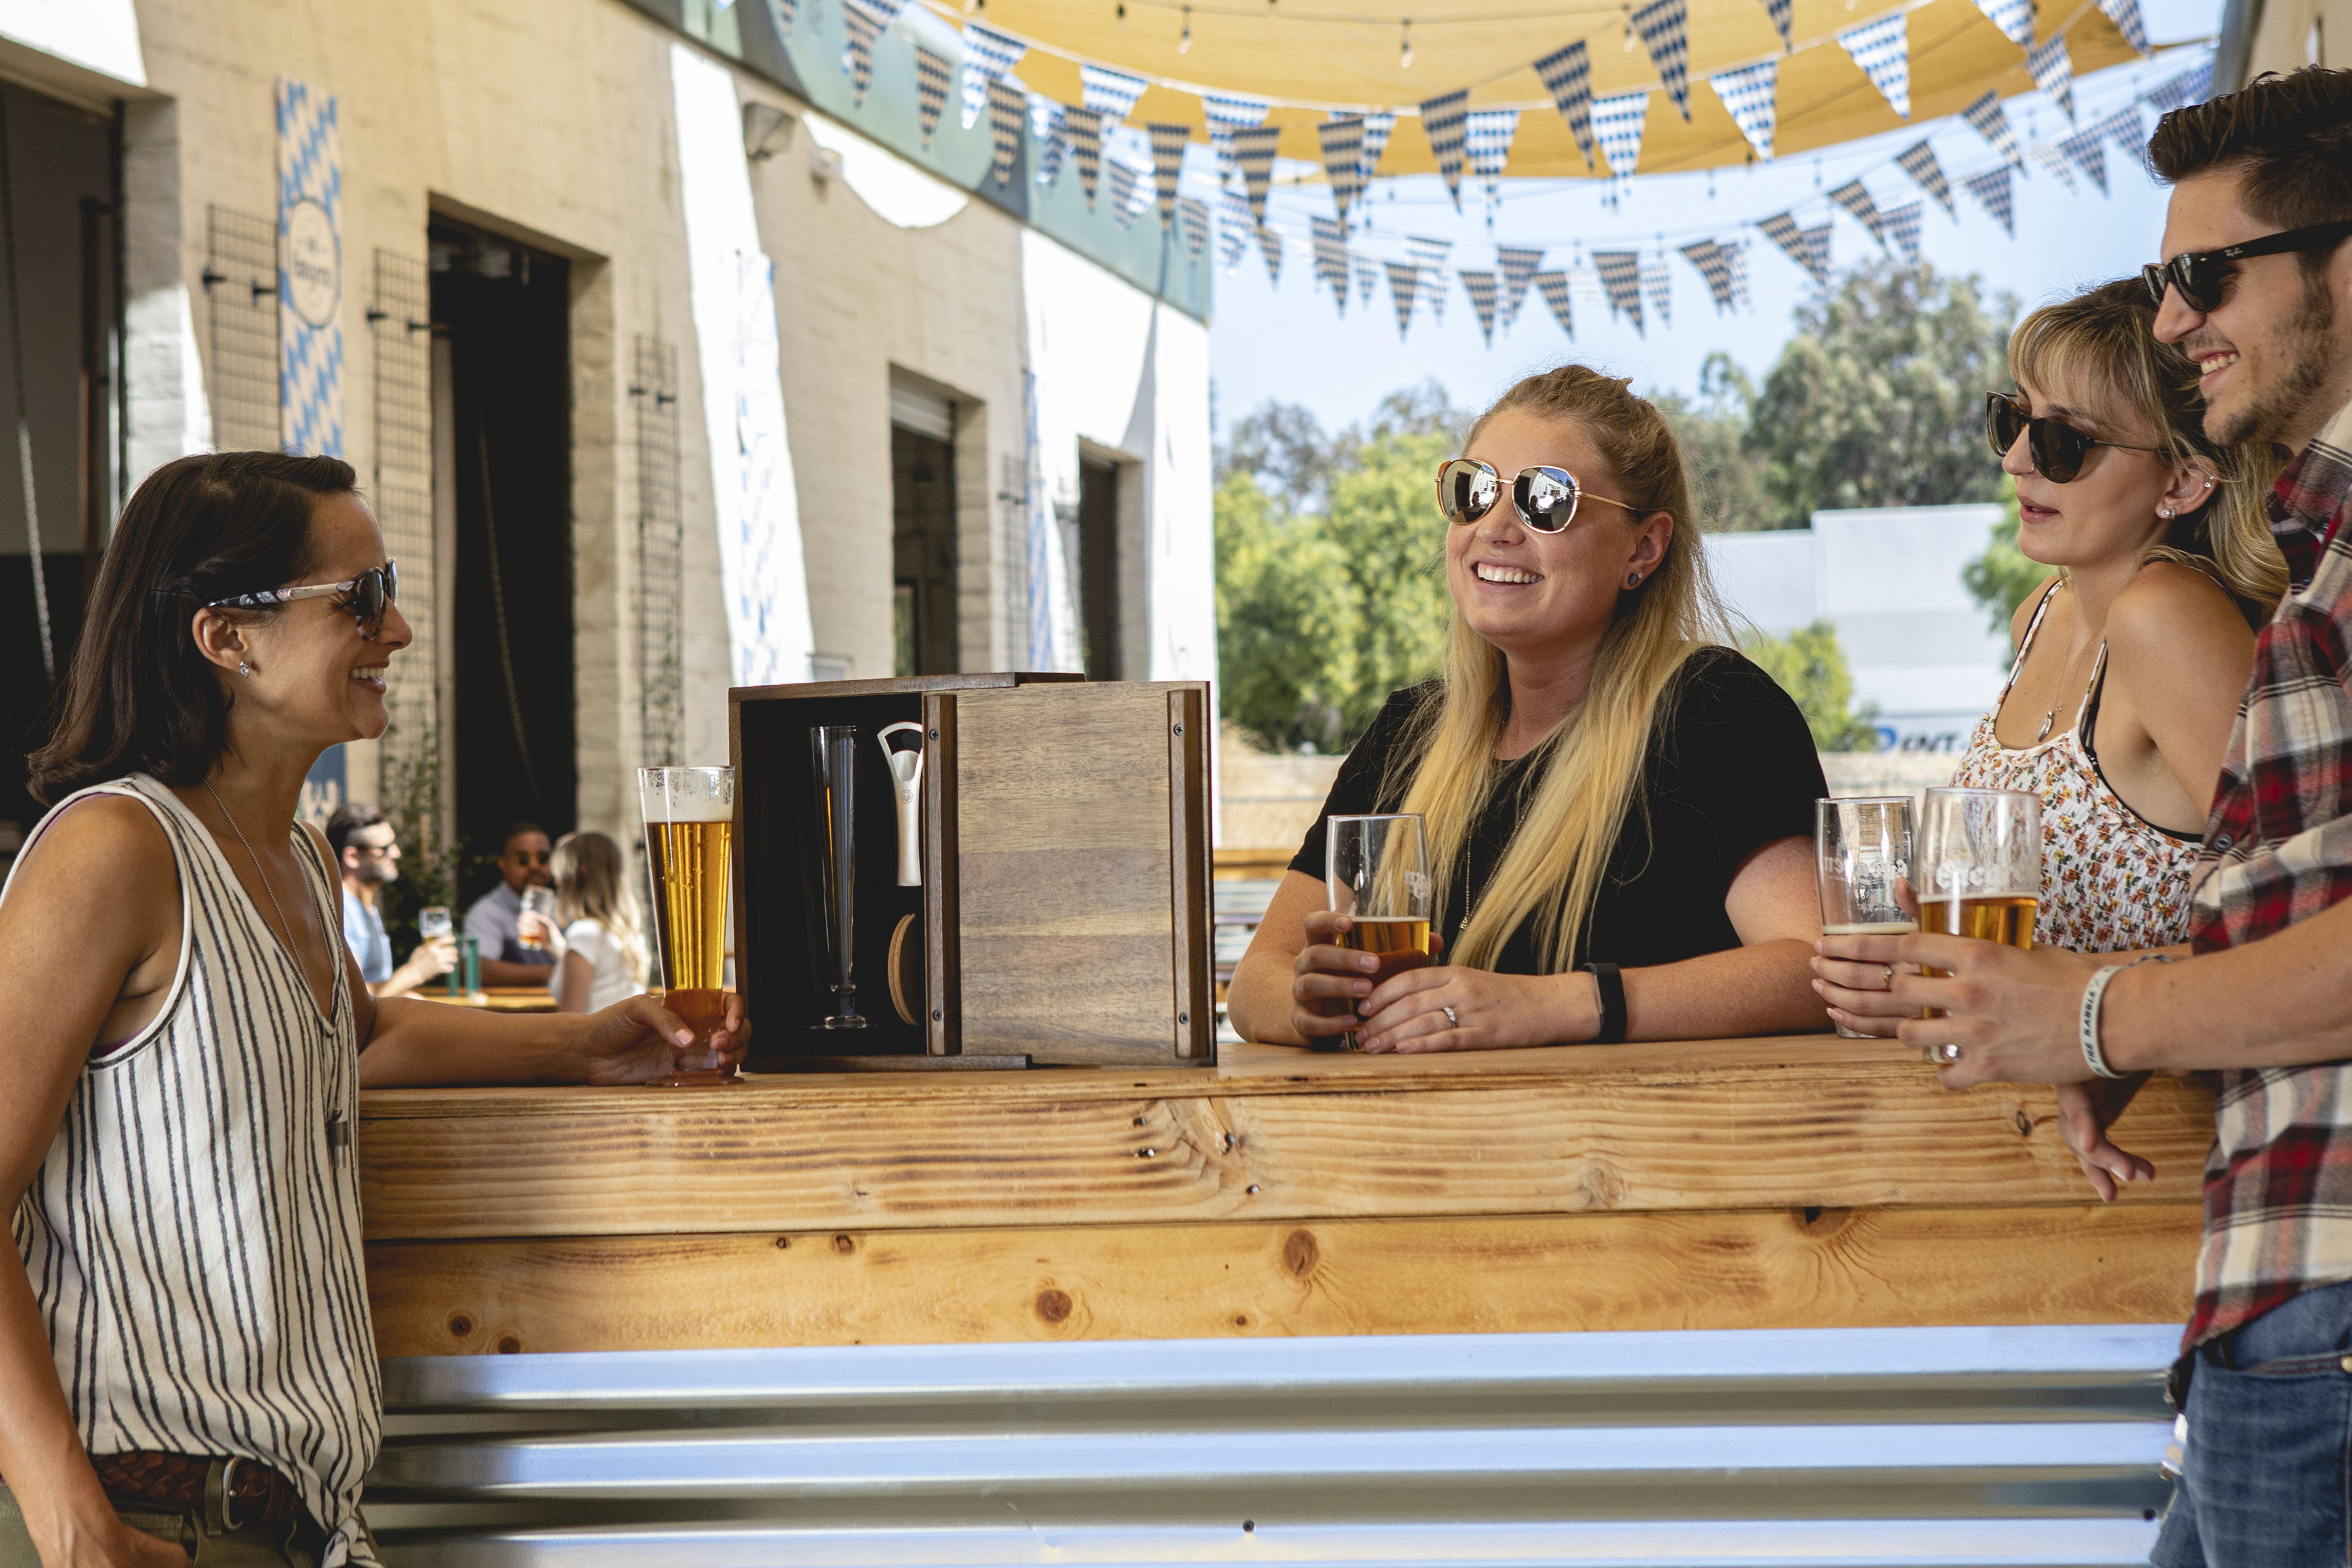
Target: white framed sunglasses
<point x="373" y="591"/>
<point x="1545" y="497"/>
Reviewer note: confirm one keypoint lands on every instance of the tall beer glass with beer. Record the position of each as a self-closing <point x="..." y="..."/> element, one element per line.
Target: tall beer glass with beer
<point x="1377" y="874"/>
<point x="1863" y="849"/>
<point x="689" y="817"/>
<point x="1979" y="865"/>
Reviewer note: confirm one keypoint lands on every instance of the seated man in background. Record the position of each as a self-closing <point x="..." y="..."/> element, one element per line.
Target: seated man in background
<point x="369" y="857"/>
<point x="494" y="918"/>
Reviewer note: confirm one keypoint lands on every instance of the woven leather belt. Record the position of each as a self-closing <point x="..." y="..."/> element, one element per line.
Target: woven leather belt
<point x="255" y="1494"/>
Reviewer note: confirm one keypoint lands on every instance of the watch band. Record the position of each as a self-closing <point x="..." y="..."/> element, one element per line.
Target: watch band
<point x="1612" y="1003"/>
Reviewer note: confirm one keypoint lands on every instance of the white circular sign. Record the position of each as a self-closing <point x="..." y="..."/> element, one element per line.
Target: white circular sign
<point x="314" y="263"/>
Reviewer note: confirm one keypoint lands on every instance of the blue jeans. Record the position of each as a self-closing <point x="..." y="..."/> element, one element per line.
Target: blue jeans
<point x="2269" y="1465"/>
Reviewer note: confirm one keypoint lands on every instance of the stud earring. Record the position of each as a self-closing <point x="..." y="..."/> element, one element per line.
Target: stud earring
<point x="2165" y="512"/>
<point x="1633" y="579"/>
<point x="243" y="668"/>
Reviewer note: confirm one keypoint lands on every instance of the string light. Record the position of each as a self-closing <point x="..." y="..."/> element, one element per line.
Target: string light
<point x="1404" y="53"/>
<point x="1122" y="15"/>
<point x="1184" y="40"/>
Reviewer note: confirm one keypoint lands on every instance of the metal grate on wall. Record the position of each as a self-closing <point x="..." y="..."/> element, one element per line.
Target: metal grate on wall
<point x="240" y="281"/>
<point x="661" y="533"/>
<point x="400" y="325"/>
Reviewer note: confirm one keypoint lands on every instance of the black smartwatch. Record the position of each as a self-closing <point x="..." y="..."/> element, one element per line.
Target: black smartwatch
<point x="1612" y="1003"/>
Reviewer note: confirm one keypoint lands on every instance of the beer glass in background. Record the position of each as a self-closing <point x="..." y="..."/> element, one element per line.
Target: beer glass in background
<point x="1862" y="848"/>
<point x="689" y="817"/>
<point x="540" y="902"/>
<point x="1377" y="873"/>
<point x="433" y="922"/>
<point x="1979" y="865"/>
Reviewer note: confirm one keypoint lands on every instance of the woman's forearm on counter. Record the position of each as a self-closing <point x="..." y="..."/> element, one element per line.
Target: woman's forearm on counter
<point x="419" y="1042"/>
<point x="1764" y="989"/>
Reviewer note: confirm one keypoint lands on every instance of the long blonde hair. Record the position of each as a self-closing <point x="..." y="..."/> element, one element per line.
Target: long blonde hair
<point x="1579" y="794"/>
<point x="592" y="883"/>
<point x="2106" y="337"/>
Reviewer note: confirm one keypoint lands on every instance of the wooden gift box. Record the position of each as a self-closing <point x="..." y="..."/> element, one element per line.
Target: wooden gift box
<point x="1064" y="914"/>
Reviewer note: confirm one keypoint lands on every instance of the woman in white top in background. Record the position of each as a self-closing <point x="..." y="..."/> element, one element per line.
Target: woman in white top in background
<point x="600" y="951"/>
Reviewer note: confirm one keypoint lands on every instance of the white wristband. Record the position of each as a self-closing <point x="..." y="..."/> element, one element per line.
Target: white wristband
<point x="2092" y="996"/>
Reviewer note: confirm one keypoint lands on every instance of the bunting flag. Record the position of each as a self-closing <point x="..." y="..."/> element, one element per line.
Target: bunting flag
<point x="1226" y="113"/>
<point x="1109" y="93"/>
<point x="1085" y="127"/>
<point x="2053" y="163"/>
<point x="1445" y="121"/>
<point x="1480" y="287"/>
<point x="862" y="22"/>
<point x="1713" y="263"/>
<point x="1007" y="108"/>
<point x="1049" y="126"/>
<point x="1253" y="151"/>
<point x="1343" y="160"/>
<point x="1919" y="160"/>
<point x="1992" y="188"/>
<point x="1402" y="276"/>
<point x="1658" y="289"/>
<point x="1486" y="138"/>
<point x="1780" y="11"/>
<point x="1376" y="141"/>
<point x="1367" y="277"/>
<point x="1269" y="245"/>
<point x="2013" y="17"/>
<point x="1617" y="126"/>
<point x="1782" y="230"/>
<point x="1621" y="276"/>
<point x="2123" y="128"/>
<point x="1734" y="258"/>
<point x="1125" y="186"/>
<point x="1585" y="283"/>
<point x="1429" y="260"/>
<point x="1749" y="98"/>
<point x="932" y="74"/>
<point x="2176" y="92"/>
<point x="1856" y="200"/>
<point x="787" y="15"/>
<point x="1988" y="119"/>
<point x="1517" y="264"/>
<point x="1331" y="258"/>
<point x="1883" y="50"/>
<point x="1817" y="242"/>
<point x="1168" y="144"/>
<point x="1194" y="220"/>
<point x="2125" y="14"/>
<point x="1554" y="288"/>
<point x="987" y="56"/>
<point x="1566" y="75"/>
<point x="1903" y="223"/>
<point x="2053" y="71"/>
<point x="2089" y="151"/>
<point x="1663" y="28"/>
<point x="1234" y="230"/>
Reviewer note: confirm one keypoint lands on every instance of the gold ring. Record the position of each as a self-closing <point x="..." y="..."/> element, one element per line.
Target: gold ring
<point x="1889" y="970"/>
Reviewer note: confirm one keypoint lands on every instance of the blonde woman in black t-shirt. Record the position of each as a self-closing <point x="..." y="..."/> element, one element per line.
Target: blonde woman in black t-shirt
<point x="1619" y="807"/>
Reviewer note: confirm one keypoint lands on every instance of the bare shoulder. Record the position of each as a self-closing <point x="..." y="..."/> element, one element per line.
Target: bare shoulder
<point x="2169" y="612"/>
<point x="2023" y="616"/>
<point x="102" y="841"/>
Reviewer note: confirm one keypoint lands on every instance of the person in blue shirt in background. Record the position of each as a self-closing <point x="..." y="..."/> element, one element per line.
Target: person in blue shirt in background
<point x="369" y="855"/>
<point x="494" y="920"/>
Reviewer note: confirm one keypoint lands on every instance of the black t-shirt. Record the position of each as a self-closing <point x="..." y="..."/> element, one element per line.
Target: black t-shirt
<point x="1732" y="769"/>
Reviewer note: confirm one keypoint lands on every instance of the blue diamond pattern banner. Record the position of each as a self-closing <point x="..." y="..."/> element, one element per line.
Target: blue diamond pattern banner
<point x="1192" y="217"/>
<point x="1566" y="75"/>
<point x="1253" y="151"/>
<point x="2054" y="71"/>
<point x="1445" y="121"/>
<point x="1903" y="227"/>
<point x="1855" y="199"/>
<point x="1402" y="278"/>
<point x="1991" y="189"/>
<point x="1226" y="113"/>
<point x="1343" y="160"/>
<point x="1168" y="144"/>
<point x="1124" y="186"/>
<point x="2125" y="14"/>
<point x="2054" y="164"/>
<point x="1782" y="230"/>
<point x="1817" y="242"/>
<point x="988" y="55"/>
<point x="2013" y="17"/>
<point x="1713" y="263"/>
<point x="864" y="21"/>
<point x="1006" y="109"/>
<point x="1109" y="93"/>
<point x="1367" y="277"/>
<point x="1781" y="12"/>
<point x="1518" y="264"/>
<point x="1085" y="128"/>
<point x="1749" y="97"/>
<point x="1331" y="258"/>
<point x="1486" y="138"/>
<point x="2090" y="155"/>
<point x="1620" y="279"/>
<point x="1234" y="230"/>
<point x="1429" y="258"/>
<point x="1988" y="119"/>
<point x="1617" y="126"/>
<point x="933" y="72"/>
<point x="1480" y="287"/>
<point x="1553" y="287"/>
<point x="2176" y="92"/>
<point x="1269" y="245"/>
<point x="310" y="270"/>
<point x="1662" y="26"/>
<point x="1658" y="289"/>
<point x="1883" y="50"/>
<point x="1049" y="126"/>
<point x="1376" y="141"/>
<point x="1919" y="160"/>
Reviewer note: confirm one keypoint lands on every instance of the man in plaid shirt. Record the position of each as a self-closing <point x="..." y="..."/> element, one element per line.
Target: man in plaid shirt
<point x="2257" y="288"/>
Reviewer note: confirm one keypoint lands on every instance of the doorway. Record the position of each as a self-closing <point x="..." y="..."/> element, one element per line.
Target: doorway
<point x="922" y="530"/>
<point x="504" y="311"/>
<point x="1098" y="564"/>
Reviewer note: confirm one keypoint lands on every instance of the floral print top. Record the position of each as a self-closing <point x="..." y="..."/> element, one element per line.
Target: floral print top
<point x="2111" y="881"/>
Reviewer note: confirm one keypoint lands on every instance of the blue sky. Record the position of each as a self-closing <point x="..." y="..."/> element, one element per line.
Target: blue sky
<point x="1292" y="345"/>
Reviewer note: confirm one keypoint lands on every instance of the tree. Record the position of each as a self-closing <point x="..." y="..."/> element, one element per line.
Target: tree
<point x="1811" y="666"/>
<point x="2004" y="577"/>
<point x="1727" y="477"/>
<point x="1287" y="621"/>
<point x="1874" y="401"/>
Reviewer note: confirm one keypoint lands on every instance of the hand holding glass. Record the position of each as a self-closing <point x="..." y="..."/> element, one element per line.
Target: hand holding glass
<point x="1377" y="874"/>
<point x="1979" y="865"/>
<point x="1864" y="851"/>
<point x="689" y="819"/>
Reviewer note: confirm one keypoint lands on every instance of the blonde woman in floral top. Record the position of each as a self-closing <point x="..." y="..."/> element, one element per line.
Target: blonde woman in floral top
<point x="2132" y="658"/>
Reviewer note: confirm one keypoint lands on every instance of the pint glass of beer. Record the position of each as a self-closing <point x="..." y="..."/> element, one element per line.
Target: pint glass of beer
<point x="1377" y="873"/>
<point x="1979" y="865"/>
<point x="1862" y="846"/>
<point x="689" y="817"/>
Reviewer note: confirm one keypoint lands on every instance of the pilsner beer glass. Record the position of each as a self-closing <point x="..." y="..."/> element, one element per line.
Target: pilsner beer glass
<point x="1979" y="865"/>
<point x="1863" y="849"/>
<point x="832" y="753"/>
<point x="432" y="920"/>
<point x="1377" y="873"/>
<point x="540" y="902"/>
<point x="689" y="817"/>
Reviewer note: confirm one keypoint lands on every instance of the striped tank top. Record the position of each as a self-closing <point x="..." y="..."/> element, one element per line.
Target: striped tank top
<point x="193" y="1236"/>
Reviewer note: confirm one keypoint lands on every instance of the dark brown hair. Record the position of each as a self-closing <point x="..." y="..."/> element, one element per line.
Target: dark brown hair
<point x="2291" y="135"/>
<point x="140" y="697"/>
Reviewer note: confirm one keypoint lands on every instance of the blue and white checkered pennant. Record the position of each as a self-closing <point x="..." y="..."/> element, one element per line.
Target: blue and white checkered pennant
<point x="1714" y="266"/>
<point x="1429" y="260"/>
<point x="1855" y="198"/>
<point x="1566" y="75"/>
<point x="2125" y="14"/>
<point x="1817" y="242"/>
<point x="1487" y="138"/>
<point x="1127" y="192"/>
<point x="1735" y="260"/>
<point x="1658" y="289"/>
<point x="1988" y="119"/>
<point x="2054" y="164"/>
<point x="1781" y="12"/>
<point x="1883" y="50"/>
<point x="933" y="72"/>
<point x="1617" y="126"/>
<point x="1235" y="226"/>
<point x="2123" y="128"/>
<point x="1342" y="140"/>
<point x="1664" y="26"/>
<point x="1377" y="128"/>
<point x="1517" y="264"/>
<point x="2054" y="71"/>
<point x="1253" y="151"/>
<point x="1330" y="244"/>
<point x="1084" y="128"/>
<point x="1226" y="113"/>
<point x="1368" y="276"/>
<point x="1269" y="245"/>
<point x="2175" y="92"/>
<point x="1903" y="227"/>
<point x="310" y="270"/>
<point x="1049" y="126"/>
<point x="1919" y="160"/>
<point x="1192" y="217"/>
<point x="2013" y="17"/>
<point x="1621" y="277"/>
<point x="1444" y="119"/>
<point x="1749" y="97"/>
<point x="2089" y="153"/>
<point x="862" y="22"/>
<point x="1109" y="93"/>
<point x="1402" y="278"/>
<point x="1480" y="287"/>
<point x="1992" y="188"/>
<point x="1168" y="144"/>
<point x="1007" y="108"/>
<point x="1782" y="230"/>
<point x="987" y="56"/>
<point x="1553" y="287"/>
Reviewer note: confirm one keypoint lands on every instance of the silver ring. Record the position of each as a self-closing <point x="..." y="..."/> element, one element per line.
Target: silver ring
<point x="1889" y="971"/>
<point x="1949" y="1051"/>
<point x="1450" y="1017"/>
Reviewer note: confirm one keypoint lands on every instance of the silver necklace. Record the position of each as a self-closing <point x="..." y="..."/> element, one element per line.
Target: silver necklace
<point x="284" y="924"/>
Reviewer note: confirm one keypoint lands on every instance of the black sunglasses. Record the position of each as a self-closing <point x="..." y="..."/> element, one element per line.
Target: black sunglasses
<point x="2058" y="449"/>
<point x="2198" y="275"/>
<point x="1547" y="497"/>
<point x="371" y="592"/>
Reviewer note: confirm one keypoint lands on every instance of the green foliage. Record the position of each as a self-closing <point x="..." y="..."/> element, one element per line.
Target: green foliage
<point x="2004" y="576"/>
<point x="410" y="785"/>
<point x="1874" y="401"/>
<point x="1811" y="666"/>
<point x="1727" y="478"/>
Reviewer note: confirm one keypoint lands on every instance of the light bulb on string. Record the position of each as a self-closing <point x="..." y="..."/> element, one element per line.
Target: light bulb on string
<point x="1184" y="40"/>
<point x="1405" y="50"/>
<point x="1121" y="15"/>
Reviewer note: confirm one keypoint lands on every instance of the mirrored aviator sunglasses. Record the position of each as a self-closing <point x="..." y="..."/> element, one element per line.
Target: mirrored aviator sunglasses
<point x="1545" y="497"/>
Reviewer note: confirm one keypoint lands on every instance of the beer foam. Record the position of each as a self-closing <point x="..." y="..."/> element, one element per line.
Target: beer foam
<point x="662" y="804"/>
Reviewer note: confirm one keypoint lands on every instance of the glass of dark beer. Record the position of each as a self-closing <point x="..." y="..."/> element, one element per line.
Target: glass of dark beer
<point x="689" y="818"/>
<point x="1377" y="874"/>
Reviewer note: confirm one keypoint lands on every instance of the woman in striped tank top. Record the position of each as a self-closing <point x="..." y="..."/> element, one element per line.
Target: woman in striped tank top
<point x="185" y="1353"/>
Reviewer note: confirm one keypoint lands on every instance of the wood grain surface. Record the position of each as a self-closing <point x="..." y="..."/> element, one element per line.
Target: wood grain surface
<point x="1692" y="1269"/>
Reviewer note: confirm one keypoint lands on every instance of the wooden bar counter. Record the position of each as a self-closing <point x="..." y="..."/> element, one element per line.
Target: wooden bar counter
<point x="1780" y="1182"/>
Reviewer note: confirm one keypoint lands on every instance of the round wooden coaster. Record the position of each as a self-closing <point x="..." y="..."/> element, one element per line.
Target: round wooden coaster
<point x="907" y="969"/>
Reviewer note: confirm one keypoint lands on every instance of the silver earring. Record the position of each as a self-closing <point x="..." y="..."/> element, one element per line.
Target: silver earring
<point x="243" y="668"/>
<point x="2164" y="511"/>
<point x="1633" y="579"/>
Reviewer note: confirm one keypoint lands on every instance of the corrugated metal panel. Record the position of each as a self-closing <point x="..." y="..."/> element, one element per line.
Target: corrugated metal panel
<point x="1855" y="1446"/>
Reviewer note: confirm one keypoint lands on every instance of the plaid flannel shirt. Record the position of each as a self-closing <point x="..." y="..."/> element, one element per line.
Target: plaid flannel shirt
<point x="2278" y="849"/>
